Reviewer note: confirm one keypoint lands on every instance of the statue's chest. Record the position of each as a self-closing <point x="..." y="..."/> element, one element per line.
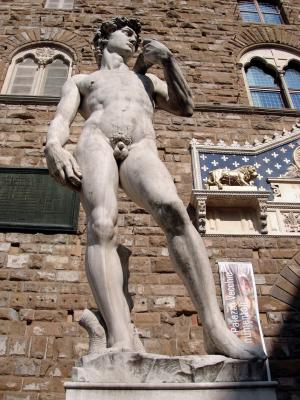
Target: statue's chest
<point x="112" y="83"/>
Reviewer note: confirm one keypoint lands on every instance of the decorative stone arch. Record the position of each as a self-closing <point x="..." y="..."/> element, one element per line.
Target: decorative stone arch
<point x="44" y="52"/>
<point x="71" y="41"/>
<point x="262" y="36"/>
<point x="292" y="61"/>
<point x="273" y="57"/>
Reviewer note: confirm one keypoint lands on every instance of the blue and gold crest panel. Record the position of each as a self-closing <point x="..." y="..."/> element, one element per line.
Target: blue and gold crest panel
<point x="273" y="158"/>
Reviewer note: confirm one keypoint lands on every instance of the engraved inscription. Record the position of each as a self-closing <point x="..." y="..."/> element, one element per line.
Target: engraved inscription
<point x="30" y="199"/>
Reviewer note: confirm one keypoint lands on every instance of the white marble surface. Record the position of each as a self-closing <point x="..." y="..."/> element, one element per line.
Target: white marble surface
<point x="237" y="391"/>
<point x="157" y="369"/>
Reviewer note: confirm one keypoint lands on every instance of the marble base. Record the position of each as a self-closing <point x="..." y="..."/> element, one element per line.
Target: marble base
<point x="147" y="376"/>
<point x="188" y="391"/>
<point x="157" y="368"/>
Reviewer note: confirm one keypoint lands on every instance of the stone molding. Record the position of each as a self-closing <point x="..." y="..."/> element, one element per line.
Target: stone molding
<point x="200" y="107"/>
<point x="257" y="146"/>
<point x="242" y="109"/>
<point x="192" y="391"/>
<point x="25" y="39"/>
<point x="173" y="386"/>
<point x="260" y="36"/>
<point x="23" y="99"/>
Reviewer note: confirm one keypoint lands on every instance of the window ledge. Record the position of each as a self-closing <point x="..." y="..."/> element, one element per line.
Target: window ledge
<point x="209" y="107"/>
<point x="241" y="109"/>
<point x="22" y="99"/>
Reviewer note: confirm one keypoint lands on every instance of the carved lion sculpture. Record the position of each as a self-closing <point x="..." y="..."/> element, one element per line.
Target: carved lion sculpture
<point x="237" y="177"/>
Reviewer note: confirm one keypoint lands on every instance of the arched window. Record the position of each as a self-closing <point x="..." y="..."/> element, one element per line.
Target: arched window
<point x="40" y="71"/>
<point x="24" y="77"/>
<point x="264" y="87"/>
<point x="272" y="77"/>
<point x="292" y="79"/>
<point x="55" y="75"/>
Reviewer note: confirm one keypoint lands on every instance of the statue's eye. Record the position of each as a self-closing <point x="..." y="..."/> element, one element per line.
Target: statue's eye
<point x="128" y="32"/>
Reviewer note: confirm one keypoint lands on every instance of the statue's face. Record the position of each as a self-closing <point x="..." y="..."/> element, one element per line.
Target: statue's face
<point x="122" y="41"/>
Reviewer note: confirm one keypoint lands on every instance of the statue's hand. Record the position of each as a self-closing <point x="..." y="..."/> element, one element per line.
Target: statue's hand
<point x="155" y="52"/>
<point x="63" y="166"/>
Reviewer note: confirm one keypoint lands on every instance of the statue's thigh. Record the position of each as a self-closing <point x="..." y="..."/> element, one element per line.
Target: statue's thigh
<point x="99" y="177"/>
<point x="146" y="180"/>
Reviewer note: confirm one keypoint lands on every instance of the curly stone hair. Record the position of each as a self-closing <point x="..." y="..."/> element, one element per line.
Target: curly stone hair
<point x="106" y="28"/>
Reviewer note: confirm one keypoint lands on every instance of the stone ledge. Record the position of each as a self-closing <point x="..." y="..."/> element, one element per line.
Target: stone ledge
<point x="200" y="107"/>
<point x="173" y="386"/>
<point x="195" y="391"/>
<point x="35" y="100"/>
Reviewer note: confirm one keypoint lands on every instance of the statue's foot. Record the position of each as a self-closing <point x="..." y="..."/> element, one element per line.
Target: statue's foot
<point x="220" y="340"/>
<point x="121" y="346"/>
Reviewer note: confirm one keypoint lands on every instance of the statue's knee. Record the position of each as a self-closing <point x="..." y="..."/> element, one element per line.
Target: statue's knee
<point x="102" y="229"/>
<point x="173" y="216"/>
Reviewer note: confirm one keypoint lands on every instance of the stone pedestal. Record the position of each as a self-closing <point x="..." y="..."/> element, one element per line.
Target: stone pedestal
<point x="142" y="376"/>
<point x="175" y="391"/>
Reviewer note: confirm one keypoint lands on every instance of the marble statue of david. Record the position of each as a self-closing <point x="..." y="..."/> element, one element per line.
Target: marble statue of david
<point x="117" y="145"/>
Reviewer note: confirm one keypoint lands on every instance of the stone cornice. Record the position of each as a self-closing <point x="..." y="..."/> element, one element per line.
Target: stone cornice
<point x="206" y="107"/>
<point x="35" y="100"/>
<point x="241" y="109"/>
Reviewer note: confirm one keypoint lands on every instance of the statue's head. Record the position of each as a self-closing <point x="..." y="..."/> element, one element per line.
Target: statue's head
<point x="120" y="34"/>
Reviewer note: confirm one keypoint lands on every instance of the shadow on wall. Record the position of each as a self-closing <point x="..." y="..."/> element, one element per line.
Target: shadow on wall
<point x="284" y="348"/>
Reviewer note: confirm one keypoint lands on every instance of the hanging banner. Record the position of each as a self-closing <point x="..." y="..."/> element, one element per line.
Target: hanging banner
<point x="240" y="301"/>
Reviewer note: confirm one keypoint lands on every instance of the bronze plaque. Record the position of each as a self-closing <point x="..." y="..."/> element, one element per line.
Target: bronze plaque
<point x="30" y="200"/>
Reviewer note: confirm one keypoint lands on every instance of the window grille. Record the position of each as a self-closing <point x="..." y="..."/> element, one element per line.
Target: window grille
<point x="260" y="12"/>
<point x="24" y="77"/>
<point x="292" y="79"/>
<point x="264" y="89"/>
<point x="55" y="75"/>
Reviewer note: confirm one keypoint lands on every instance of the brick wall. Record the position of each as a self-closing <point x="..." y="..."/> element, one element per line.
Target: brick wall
<point x="43" y="286"/>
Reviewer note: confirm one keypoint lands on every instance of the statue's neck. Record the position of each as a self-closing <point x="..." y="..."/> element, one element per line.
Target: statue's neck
<point x="113" y="61"/>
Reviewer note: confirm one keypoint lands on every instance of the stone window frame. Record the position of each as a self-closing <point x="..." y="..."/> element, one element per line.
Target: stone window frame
<point x="277" y="3"/>
<point x="277" y="59"/>
<point x="42" y="55"/>
<point x="61" y="5"/>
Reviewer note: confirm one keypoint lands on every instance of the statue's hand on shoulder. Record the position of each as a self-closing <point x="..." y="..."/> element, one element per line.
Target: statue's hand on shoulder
<point x="63" y="166"/>
<point x="155" y="52"/>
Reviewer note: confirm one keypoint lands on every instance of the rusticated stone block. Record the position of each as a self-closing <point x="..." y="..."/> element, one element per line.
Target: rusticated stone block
<point x="63" y="347"/>
<point x="18" y="261"/>
<point x="35" y="385"/>
<point x="3" y="344"/>
<point x="20" y="396"/>
<point x="42" y="328"/>
<point x="18" y="346"/>
<point x="27" y="367"/>
<point x="147" y="319"/>
<point x="11" y="383"/>
<point x="9" y="314"/>
<point x="38" y="347"/>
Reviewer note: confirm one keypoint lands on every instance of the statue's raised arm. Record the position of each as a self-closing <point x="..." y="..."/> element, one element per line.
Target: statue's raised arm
<point x="174" y="95"/>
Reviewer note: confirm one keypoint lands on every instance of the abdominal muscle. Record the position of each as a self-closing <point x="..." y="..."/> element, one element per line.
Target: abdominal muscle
<point x="121" y="123"/>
